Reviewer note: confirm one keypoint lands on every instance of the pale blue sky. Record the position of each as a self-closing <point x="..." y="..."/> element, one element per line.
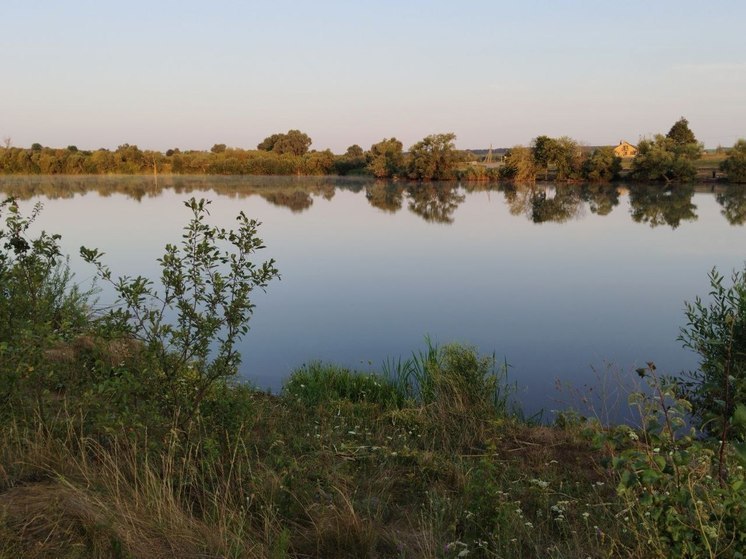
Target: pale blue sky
<point x="189" y="74"/>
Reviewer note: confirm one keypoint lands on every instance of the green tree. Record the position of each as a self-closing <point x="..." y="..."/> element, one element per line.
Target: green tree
<point x="218" y="148"/>
<point x="519" y="165"/>
<point x="567" y="159"/>
<point x="681" y="134"/>
<point x="663" y="159"/>
<point x="670" y="157"/>
<point x="603" y="165"/>
<point x="734" y="165"/>
<point x="543" y="151"/>
<point x="386" y="158"/>
<point x="433" y="158"/>
<point x="354" y="151"/>
<point x="293" y="142"/>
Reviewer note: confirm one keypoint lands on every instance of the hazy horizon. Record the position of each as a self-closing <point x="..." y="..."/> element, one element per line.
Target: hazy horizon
<point x="190" y="74"/>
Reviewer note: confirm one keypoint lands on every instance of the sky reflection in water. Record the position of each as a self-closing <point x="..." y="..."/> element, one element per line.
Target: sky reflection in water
<point x="559" y="283"/>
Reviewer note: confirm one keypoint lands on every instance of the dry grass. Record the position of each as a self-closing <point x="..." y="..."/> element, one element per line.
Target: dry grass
<point x="77" y="498"/>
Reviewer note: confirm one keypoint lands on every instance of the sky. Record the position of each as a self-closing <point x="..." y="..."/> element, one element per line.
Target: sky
<point x="165" y="73"/>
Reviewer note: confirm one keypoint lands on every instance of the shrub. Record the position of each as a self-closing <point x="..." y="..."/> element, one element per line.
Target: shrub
<point x="734" y="165"/>
<point x="717" y="331"/>
<point x="39" y="305"/>
<point x="206" y="288"/>
<point x="675" y="494"/>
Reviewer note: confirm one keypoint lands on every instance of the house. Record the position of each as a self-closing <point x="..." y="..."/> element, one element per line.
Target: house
<point x="625" y="149"/>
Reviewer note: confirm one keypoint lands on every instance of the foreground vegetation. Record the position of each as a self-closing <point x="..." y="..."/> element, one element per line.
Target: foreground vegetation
<point x="674" y="157"/>
<point x="126" y="433"/>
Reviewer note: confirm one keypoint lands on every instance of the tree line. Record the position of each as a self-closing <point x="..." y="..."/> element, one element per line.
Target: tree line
<point x="667" y="158"/>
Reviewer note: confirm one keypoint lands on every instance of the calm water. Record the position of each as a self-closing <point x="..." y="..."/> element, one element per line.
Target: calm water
<point x="577" y="285"/>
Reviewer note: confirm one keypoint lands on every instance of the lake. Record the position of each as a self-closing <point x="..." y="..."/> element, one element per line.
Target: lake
<point x="573" y="286"/>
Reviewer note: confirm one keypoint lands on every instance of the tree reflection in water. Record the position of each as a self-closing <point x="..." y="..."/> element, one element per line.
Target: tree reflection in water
<point x="733" y="200"/>
<point x="662" y="205"/>
<point x="385" y="195"/>
<point x="543" y="204"/>
<point x="434" y="202"/>
<point x="601" y="197"/>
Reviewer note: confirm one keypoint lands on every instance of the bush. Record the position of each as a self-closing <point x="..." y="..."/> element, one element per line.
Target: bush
<point x="734" y="165"/>
<point x="678" y="500"/>
<point x="717" y="331"/>
<point x="206" y="287"/>
<point x="40" y="307"/>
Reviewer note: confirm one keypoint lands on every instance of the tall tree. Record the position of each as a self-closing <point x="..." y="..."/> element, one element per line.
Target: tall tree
<point x="670" y="157"/>
<point x="519" y="165"/>
<point x="433" y="158"/>
<point x="543" y="148"/>
<point x="294" y="142"/>
<point x="681" y="134"/>
<point x="354" y="151"/>
<point x="735" y="165"/>
<point x="386" y="158"/>
<point x="602" y="165"/>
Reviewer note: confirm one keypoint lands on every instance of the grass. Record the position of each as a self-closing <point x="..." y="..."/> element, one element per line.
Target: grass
<point x="336" y="478"/>
<point x="428" y="459"/>
<point x="425" y="461"/>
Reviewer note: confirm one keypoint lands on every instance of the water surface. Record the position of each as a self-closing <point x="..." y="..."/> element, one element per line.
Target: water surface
<point x="568" y="285"/>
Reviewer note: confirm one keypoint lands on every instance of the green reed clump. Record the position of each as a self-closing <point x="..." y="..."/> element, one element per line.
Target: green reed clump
<point x="317" y="382"/>
<point x="455" y="376"/>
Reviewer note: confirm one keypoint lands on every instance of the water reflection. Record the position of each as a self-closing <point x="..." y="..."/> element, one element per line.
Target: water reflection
<point x="435" y="202"/>
<point x="661" y="205"/>
<point x="733" y="200"/>
<point x="601" y="198"/>
<point x="542" y="204"/>
<point x="385" y="195"/>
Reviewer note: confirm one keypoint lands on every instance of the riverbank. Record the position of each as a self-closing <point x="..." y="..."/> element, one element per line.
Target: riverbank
<point x="125" y="435"/>
<point x="335" y="467"/>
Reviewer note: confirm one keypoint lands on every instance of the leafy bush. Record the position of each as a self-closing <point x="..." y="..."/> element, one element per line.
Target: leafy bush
<point x="678" y="498"/>
<point x="663" y="159"/>
<point x="39" y="306"/>
<point x="602" y="165"/>
<point x="206" y="288"/>
<point x="717" y="331"/>
<point x="734" y="165"/>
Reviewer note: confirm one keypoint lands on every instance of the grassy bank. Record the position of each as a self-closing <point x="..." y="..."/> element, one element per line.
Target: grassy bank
<point x="123" y="434"/>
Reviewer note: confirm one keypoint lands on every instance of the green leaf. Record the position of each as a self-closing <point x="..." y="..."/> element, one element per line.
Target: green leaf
<point x="739" y="417"/>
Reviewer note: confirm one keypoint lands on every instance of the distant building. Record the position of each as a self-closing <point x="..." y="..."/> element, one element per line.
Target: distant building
<point x="625" y="149"/>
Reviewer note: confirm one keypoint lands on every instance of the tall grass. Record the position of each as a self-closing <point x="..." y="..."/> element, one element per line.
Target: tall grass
<point x="454" y="372"/>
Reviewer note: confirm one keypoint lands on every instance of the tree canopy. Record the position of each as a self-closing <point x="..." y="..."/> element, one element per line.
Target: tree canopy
<point x="735" y="165"/>
<point x="386" y="158"/>
<point x="294" y="142"/>
<point x="433" y="158"/>
<point x="681" y="134"/>
<point x="670" y="157"/>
